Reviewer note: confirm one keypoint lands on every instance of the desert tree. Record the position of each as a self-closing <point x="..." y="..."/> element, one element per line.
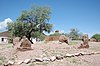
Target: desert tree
<point x="75" y="34"/>
<point x="34" y="20"/>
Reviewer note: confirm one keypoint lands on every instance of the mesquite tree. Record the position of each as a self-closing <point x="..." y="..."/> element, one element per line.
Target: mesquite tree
<point x="30" y="21"/>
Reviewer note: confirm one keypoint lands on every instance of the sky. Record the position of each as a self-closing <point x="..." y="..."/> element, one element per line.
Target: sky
<point x="66" y="14"/>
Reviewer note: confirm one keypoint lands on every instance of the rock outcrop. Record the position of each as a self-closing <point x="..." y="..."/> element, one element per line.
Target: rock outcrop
<point x="85" y="42"/>
<point x="23" y="44"/>
<point x="63" y="38"/>
<point x="16" y="40"/>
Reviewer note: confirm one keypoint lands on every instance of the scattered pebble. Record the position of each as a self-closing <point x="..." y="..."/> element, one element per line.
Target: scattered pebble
<point x="27" y="61"/>
<point x="10" y="62"/>
<point x="53" y="58"/>
<point x="39" y="59"/>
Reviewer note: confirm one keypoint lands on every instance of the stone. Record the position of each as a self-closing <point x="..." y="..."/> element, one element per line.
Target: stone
<point x="27" y="61"/>
<point x="69" y="55"/>
<point x="39" y="59"/>
<point x="85" y="42"/>
<point x="86" y="46"/>
<point x="24" y="44"/>
<point x="10" y="62"/>
<point x="89" y="53"/>
<point x="46" y="59"/>
<point x="5" y="64"/>
<point x="61" y="60"/>
<point x="93" y="40"/>
<point x="59" y="57"/>
<point x="52" y="38"/>
<point x="83" y="46"/>
<point x="16" y="40"/>
<point x="85" y="37"/>
<point x="83" y="53"/>
<point x="77" y="54"/>
<point x="19" y="62"/>
<point x="63" y="38"/>
<point x="53" y="58"/>
<point x="33" y="60"/>
<point x="60" y="42"/>
<point x="96" y="52"/>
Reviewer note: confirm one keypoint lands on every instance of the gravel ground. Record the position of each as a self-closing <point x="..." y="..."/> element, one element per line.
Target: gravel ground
<point x="48" y="49"/>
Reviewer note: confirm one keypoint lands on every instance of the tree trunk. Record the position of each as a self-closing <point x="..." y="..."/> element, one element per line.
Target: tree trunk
<point x="29" y="38"/>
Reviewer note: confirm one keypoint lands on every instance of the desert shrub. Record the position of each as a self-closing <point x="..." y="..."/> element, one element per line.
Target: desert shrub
<point x="55" y="34"/>
<point x="96" y="36"/>
<point x="2" y="60"/>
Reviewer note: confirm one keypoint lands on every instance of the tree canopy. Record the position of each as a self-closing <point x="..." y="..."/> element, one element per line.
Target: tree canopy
<point x="75" y="34"/>
<point x="34" y="20"/>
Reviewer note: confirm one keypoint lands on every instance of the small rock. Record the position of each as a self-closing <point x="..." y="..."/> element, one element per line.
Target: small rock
<point x="44" y="54"/>
<point x="53" y="58"/>
<point x="39" y="59"/>
<point x="19" y="62"/>
<point x="88" y="53"/>
<point x="33" y="60"/>
<point x="61" y="60"/>
<point x="46" y="59"/>
<point x="96" y="52"/>
<point x="10" y="63"/>
<point x="77" y="54"/>
<point x="5" y="64"/>
<point x="27" y="61"/>
<point x="59" y="57"/>
<point x="69" y="55"/>
<point x="60" y="42"/>
<point x="92" y="53"/>
<point x="83" y="53"/>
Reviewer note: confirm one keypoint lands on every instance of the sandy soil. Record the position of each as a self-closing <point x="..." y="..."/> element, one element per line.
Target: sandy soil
<point x="52" y="49"/>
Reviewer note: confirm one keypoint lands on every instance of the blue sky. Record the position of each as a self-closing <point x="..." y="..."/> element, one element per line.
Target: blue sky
<point x="66" y="14"/>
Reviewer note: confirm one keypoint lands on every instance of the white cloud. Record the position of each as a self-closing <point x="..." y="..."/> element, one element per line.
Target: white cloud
<point x="3" y="24"/>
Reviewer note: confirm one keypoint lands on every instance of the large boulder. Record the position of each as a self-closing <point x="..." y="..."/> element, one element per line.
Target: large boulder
<point x="52" y="38"/>
<point x="93" y="40"/>
<point x="63" y="38"/>
<point x="83" y="46"/>
<point x="16" y="40"/>
<point x="24" y="44"/>
<point x="85" y="39"/>
<point x="85" y="42"/>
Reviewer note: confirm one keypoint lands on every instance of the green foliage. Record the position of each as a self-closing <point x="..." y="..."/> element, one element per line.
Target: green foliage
<point x="18" y="28"/>
<point x="58" y="34"/>
<point x="96" y="36"/>
<point x="2" y="59"/>
<point x="38" y="35"/>
<point x="33" y="20"/>
<point x="74" y="34"/>
<point x="8" y="45"/>
<point x="55" y="34"/>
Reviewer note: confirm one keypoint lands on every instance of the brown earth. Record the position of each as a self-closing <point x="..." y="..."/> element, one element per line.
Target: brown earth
<point x="48" y="49"/>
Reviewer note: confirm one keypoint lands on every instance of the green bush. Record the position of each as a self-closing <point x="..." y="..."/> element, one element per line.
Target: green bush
<point x="96" y="36"/>
<point x="2" y="60"/>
